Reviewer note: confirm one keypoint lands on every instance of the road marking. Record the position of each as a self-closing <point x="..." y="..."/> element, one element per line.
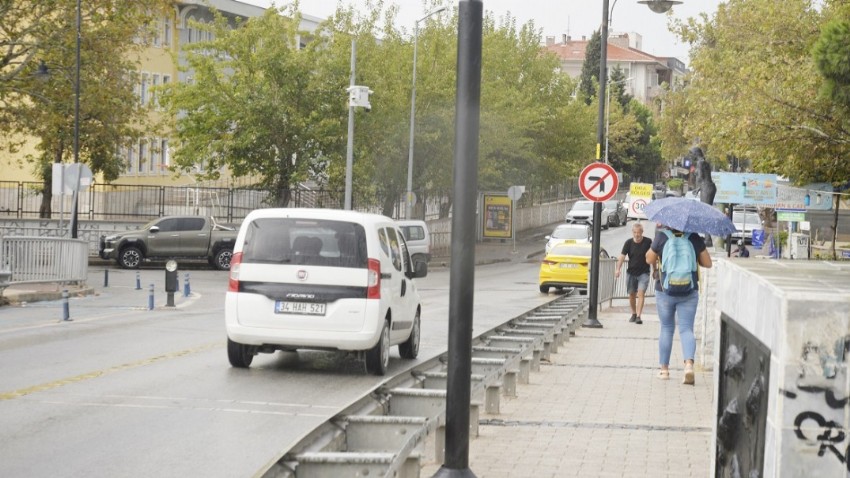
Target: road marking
<point x="99" y="373"/>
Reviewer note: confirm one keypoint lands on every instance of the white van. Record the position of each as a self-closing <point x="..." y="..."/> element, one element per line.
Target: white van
<point x="418" y="239"/>
<point x="322" y="279"/>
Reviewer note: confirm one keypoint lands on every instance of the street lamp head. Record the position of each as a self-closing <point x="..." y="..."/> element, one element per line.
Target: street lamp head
<point x="432" y="12"/>
<point x="660" y="6"/>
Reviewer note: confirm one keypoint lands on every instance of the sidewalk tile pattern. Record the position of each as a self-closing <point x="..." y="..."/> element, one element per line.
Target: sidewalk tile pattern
<point x="597" y="410"/>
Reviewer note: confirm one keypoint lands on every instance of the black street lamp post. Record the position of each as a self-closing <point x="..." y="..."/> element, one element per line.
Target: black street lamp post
<point x="76" y="127"/>
<point x="657" y="6"/>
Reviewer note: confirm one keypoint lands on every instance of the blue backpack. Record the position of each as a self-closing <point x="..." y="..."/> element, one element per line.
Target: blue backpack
<point x="678" y="264"/>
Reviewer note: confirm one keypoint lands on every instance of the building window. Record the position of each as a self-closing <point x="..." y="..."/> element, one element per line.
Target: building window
<point x="164" y="159"/>
<point x="143" y="91"/>
<point x="153" y="163"/>
<point x="143" y="150"/>
<point x="166" y="31"/>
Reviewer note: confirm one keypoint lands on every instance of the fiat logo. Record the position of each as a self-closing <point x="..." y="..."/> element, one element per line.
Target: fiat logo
<point x="302" y="275"/>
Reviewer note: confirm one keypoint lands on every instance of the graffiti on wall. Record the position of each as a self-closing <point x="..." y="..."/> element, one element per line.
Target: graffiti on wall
<point x="821" y="387"/>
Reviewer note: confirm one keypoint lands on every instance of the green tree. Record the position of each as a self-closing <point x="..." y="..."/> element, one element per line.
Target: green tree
<point x="754" y="91"/>
<point x="255" y="105"/>
<point x="110" y="113"/>
<point x="590" y="67"/>
<point x="832" y="59"/>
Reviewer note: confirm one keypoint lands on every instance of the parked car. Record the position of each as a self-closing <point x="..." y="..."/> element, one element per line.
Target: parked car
<point x="745" y="221"/>
<point x="578" y="233"/>
<point x="617" y="214"/>
<point x="418" y="239"/>
<point x="567" y="265"/>
<point x="582" y="213"/>
<point x="322" y="279"/>
<point x="172" y="237"/>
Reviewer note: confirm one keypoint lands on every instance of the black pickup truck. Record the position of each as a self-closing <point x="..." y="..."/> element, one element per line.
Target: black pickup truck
<point x="172" y="237"/>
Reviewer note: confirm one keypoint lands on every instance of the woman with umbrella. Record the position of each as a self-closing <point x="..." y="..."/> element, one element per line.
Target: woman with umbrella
<point x="683" y="219"/>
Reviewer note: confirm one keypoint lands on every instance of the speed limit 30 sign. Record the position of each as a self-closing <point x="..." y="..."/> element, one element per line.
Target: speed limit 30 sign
<point x="598" y="182"/>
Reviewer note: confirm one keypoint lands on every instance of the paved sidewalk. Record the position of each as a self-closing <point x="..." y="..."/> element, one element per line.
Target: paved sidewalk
<point x="597" y="410"/>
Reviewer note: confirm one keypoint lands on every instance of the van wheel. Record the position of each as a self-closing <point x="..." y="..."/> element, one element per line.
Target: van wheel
<point x="130" y="258"/>
<point x="240" y="355"/>
<point x="378" y="357"/>
<point x="410" y="348"/>
<point x="222" y="259"/>
<point x="544" y="289"/>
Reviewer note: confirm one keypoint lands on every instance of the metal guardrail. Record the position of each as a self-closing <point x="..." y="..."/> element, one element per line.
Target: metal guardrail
<point x="610" y="287"/>
<point x="31" y="259"/>
<point x="383" y="434"/>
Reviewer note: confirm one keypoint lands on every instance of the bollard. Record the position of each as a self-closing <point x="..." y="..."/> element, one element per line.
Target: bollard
<point x="186" y="289"/>
<point x="105" y="278"/>
<point x="150" y="299"/>
<point x="66" y="313"/>
<point x="138" y="281"/>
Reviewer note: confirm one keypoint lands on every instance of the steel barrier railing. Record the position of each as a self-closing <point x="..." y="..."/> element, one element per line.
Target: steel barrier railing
<point x="44" y="259"/>
<point x="611" y="287"/>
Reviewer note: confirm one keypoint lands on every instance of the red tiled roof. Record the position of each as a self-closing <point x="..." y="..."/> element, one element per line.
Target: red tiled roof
<point x="574" y="50"/>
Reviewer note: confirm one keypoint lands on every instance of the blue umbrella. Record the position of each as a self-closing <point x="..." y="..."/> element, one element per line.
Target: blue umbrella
<point x="688" y="215"/>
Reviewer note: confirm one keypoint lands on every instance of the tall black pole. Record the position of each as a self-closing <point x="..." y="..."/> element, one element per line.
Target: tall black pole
<point x="593" y="292"/>
<point x="462" y="278"/>
<point x="77" y="127"/>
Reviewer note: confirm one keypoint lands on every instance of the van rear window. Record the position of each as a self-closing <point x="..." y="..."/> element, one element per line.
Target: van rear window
<point x="305" y="242"/>
<point x="413" y="233"/>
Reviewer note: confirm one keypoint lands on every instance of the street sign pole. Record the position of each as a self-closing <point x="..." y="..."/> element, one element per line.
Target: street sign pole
<point x="598" y="182"/>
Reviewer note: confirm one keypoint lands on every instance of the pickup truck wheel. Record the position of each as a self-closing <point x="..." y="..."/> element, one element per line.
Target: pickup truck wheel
<point x="130" y="257"/>
<point x="240" y="355"/>
<point x="410" y="348"/>
<point x="378" y="357"/>
<point x="222" y="259"/>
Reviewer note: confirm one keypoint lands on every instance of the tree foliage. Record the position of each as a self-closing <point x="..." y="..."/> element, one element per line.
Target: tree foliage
<point x="754" y="92"/>
<point x="260" y="106"/>
<point x="590" y="67"/>
<point x="36" y="32"/>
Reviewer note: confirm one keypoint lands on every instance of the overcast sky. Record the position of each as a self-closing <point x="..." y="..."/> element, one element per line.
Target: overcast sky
<point x="555" y="17"/>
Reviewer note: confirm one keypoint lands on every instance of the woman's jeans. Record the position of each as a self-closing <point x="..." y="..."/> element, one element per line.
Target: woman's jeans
<point x="669" y="308"/>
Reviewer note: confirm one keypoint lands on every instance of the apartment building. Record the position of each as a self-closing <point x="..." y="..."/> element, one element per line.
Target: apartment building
<point x="646" y="72"/>
<point x="147" y="161"/>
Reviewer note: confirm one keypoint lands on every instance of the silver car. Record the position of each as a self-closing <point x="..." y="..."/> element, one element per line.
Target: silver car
<point x="616" y="213"/>
<point x="582" y="213"/>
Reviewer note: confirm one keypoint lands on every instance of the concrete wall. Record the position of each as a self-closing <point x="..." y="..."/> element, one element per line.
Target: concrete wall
<point x="801" y="312"/>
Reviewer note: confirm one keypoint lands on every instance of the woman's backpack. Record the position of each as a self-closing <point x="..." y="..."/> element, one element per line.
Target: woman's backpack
<point x="678" y="264"/>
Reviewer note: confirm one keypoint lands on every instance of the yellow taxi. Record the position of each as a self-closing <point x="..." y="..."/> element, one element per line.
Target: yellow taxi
<point x="567" y="265"/>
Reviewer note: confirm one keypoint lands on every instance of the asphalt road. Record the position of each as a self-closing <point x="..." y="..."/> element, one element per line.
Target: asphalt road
<point x="123" y="391"/>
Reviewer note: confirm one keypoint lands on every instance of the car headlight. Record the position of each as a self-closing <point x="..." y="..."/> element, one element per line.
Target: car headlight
<point x="112" y="238"/>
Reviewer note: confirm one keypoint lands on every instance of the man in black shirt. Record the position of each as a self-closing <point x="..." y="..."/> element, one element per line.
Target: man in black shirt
<point x="638" y="272"/>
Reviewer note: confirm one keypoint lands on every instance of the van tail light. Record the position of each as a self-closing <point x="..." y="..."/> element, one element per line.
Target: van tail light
<point x="235" y="265"/>
<point x="548" y="262"/>
<point x="373" y="291"/>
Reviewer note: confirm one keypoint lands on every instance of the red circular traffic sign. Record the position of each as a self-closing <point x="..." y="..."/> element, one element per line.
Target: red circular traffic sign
<point x="598" y="182"/>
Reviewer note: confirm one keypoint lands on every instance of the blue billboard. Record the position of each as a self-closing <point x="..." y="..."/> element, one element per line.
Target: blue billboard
<point x="745" y="188"/>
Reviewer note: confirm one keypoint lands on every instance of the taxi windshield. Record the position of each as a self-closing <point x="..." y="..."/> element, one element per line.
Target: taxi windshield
<point x="570" y="233"/>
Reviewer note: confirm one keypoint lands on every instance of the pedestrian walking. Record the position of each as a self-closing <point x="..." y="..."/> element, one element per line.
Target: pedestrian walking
<point x="638" y="271"/>
<point x="676" y="255"/>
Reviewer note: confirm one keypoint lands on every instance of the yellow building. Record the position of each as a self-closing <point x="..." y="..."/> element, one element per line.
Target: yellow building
<point x="147" y="162"/>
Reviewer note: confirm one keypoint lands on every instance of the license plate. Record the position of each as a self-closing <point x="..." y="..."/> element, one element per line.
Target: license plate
<point x="304" y="308"/>
<point x="567" y="265"/>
